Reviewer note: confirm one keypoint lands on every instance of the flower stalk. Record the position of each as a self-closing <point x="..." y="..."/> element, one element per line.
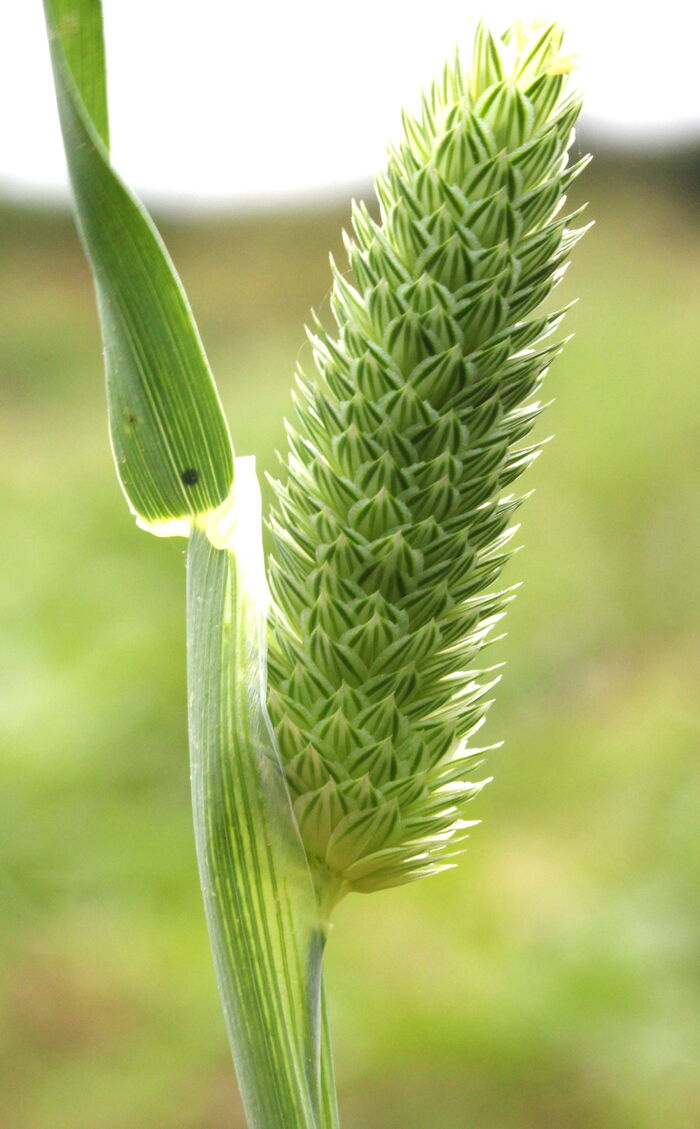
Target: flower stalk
<point x="332" y="730"/>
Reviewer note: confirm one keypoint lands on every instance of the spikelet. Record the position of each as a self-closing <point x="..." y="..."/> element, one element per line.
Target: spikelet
<point x="393" y="520"/>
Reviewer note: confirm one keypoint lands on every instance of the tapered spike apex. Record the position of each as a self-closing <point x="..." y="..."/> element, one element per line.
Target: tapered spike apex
<point x="393" y="524"/>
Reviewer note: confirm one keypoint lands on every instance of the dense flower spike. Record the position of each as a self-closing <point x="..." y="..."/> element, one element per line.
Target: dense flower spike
<point x="394" y="519"/>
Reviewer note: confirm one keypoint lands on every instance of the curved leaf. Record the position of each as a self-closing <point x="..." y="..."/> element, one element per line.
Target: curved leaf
<point x="169" y="436"/>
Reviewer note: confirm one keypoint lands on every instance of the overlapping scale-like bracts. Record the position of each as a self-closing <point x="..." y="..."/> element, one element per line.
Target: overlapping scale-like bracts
<point x="392" y="523"/>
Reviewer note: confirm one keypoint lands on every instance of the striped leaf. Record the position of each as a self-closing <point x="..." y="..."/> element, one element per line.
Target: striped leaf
<point x="264" y="924"/>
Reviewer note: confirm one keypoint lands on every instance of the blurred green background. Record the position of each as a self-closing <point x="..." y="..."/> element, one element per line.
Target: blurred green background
<point x="554" y="977"/>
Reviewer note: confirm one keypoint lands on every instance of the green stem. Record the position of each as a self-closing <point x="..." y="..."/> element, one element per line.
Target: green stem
<point x="266" y="934"/>
<point x="175" y="463"/>
<point x="328" y="1116"/>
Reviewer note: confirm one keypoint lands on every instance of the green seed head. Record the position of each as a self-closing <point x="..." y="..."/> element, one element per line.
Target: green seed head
<point x="393" y="520"/>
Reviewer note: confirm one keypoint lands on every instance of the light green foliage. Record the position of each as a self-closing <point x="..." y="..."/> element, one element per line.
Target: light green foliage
<point x="393" y="522"/>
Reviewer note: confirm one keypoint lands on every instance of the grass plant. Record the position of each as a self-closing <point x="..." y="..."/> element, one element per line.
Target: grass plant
<point x="389" y="528"/>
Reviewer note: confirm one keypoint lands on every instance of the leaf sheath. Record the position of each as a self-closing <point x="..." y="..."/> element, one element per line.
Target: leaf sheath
<point x="261" y="910"/>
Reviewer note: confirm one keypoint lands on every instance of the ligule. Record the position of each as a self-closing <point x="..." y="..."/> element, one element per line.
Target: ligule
<point x="394" y="519"/>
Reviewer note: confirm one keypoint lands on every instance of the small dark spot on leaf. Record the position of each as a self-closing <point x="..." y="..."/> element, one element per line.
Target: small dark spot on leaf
<point x="190" y="476"/>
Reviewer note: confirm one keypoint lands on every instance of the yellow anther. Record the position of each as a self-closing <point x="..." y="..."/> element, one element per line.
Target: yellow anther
<point x="562" y="64"/>
<point x="523" y="31"/>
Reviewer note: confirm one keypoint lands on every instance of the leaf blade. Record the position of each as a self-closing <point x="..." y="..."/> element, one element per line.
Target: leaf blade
<point x="169" y="436"/>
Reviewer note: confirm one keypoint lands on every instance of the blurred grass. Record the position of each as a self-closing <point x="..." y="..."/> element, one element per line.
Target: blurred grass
<point x="553" y="979"/>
